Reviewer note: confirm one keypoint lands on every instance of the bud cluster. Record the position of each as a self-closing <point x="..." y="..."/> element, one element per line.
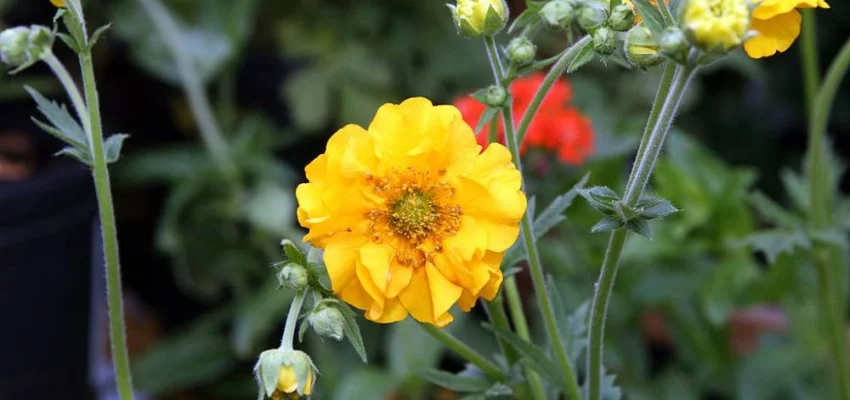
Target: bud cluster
<point x="22" y="46"/>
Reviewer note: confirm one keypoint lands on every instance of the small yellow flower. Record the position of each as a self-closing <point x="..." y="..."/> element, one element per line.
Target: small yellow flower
<point x="480" y="17"/>
<point x="58" y="3"/>
<point x="717" y="25"/>
<point x="412" y="216"/>
<point x="777" y="23"/>
<point x="287" y="384"/>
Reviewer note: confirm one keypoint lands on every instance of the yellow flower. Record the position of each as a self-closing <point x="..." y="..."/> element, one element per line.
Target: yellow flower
<point x="479" y="17"/>
<point x="412" y="216"/>
<point x="58" y="3"/>
<point x="638" y="17"/>
<point x="287" y="384"/>
<point x="717" y="25"/>
<point x="777" y="23"/>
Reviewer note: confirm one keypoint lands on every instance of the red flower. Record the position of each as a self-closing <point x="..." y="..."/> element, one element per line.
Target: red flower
<point x="557" y="127"/>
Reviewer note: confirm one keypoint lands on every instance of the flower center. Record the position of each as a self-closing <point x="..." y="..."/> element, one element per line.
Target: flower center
<point x="416" y="216"/>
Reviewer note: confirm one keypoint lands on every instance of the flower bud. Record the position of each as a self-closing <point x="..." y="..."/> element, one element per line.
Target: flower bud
<point x="496" y="96"/>
<point x="58" y="3"/>
<point x="592" y="15"/>
<point x="521" y="51"/>
<point x="622" y="18"/>
<point x="557" y="13"/>
<point x="716" y="26"/>
<point x="674" y="44"/>
<point x="641" y="48"/>
<point x="13" y="45"/>
<point x="474" y="18"/>
<point x="293" y="276"/>
<point x="288" y="373"/>
<point x="604" y="41"/>
<point x="327" y="320"/>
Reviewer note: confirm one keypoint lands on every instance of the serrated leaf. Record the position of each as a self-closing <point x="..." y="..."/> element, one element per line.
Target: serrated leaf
<point x="352" y="331"/>
<point x="76" y="154"/>
<point x="112" y="147"/>
<point x="641" y="227"/>
<point x="293" y="253"/>
<point x="610" y="391"/>
<point x="600" y="198"/>
<point x="773" y="212"/>
<point x="584" y="56"/>
<point x="652" y="208"/>
<point x="98" y="33"/>
<point x="651" y="16"/>
<point x="498" y="389"/>
<point x="455" y="382"/>
<point x="609" y="223"/>
<point x="69" y="41"/>
<point x="797" y="188"/>
<point x="773" y="243"/>
<point x="486" y="117"/>
<point x="830" y="237"/>
<point x="533" y="356"/>
<point x="571" y="327"/>
<point x="58" y="116"/>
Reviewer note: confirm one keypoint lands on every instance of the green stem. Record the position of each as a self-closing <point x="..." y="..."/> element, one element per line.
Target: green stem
<point x="809" y="55"/>
<point x="192" y="85"/>
<point x="820" y="217"/>
<point x="511" y="289"/>
<point x="108" y="231"/>
<point x="292" y="319"/>
<point x="71" y="88"/>
<point x="668" y="104"/>
<point x="496" y="311"/>
<point x="488" y="367"/>
<point x="551" y="77"/>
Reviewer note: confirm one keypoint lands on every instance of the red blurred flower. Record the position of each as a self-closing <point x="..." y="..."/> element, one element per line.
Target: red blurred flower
<point x="557" y="127"/>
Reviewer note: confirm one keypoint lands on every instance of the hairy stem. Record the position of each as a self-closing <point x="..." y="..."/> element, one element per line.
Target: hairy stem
<point x="292" y="319"/>
<point x="467" y="353"/>
<point x="809" y="56"/>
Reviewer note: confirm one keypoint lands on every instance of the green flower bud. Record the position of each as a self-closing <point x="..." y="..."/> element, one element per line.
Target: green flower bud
<point x="642" y="50"/>
<point x="674" y="44"/>
<point x="521" y="51"/>
<point x="293" y="276"/>
<point x="622" y="18"/>
<point x="327" y="320"/>
<point x="604" y="41"/>
<point x="496" y="96"/>
<point x="474" y="18"/>
<point x="282" y="372"/>
<point x="592" y="15"/>
<point x="557" y="14"/>
<point x="13" y="45"/>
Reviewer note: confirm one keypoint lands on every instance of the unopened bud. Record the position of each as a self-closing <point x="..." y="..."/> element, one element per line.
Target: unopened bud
<point x="13" y="45"/>
<point x="496" y="96"/>
<point x="622" y="18"/>
<point x="288" y="373"/>
<point x="327" y="320"/>
<point x="674" y="44"/>
<point x="604" y="41"/>
<point x="558" y="13"/>
<point x="474" y="18"/>
<point x="293" y="276"/>
<point x="641" y="48"/>
<point x="592" y="15"/>
<point x="521" y="51"/>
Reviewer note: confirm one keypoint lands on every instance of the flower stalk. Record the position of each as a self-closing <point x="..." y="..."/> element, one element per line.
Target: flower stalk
<point x="467" y="353"/>
<point x="527" y="232"/>
<point x="667" y="103"/>
<point x="291" y="319"/>
<point x="819" y="171"/>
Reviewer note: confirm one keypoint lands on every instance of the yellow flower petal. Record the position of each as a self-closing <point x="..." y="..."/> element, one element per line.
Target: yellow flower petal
<point x="774" y="34"/>
<point x="287" y="382"/>
<point x="58" y="3"/>
<point x="770" y="8"/>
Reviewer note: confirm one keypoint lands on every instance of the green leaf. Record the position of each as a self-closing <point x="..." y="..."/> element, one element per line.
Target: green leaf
<point x="76" y="154"/>
<point x="533" y="356"/>
<point x="773" y="212"/>
<point x="352" y="331"/>
<point x="98" y="33"/>
<point x="797" y="189"/>
<point x="293" y="253"/>
<point x="584" y="56"/>
<point x="653" y="208"/>
<point x="308" y="95"/>
<point x="455" y="382"/>
<point x="486" y="117"/>
<point x="651" y="16"/>
<point x="71" y="131"/>
<point x="269" y="206"/>
<point x="641" y="227"/>
<point x="776" y="242"/>
<point x="601" y="198"/>
<point x="830" y="237"/>
<point x="607" y="224"/>
<point x="112" y="147"/>
<point x="610" y="391"/>
<point x="69" y="41"/>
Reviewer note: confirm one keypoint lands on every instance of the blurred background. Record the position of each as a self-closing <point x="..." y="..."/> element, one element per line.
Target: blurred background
<point x="706" y="310"/>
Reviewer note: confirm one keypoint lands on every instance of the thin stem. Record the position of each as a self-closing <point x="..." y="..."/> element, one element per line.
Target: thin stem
<point x="820" y="217"/>
<point x="664" y="88"/>
<point x="192" y="85"/>
<point x="496" y="311"/>
<point x="809" y="55"/>
<point x="488" y="367"/>
<point x="551" y="77"/>
<point x="638" y="180"/>
<point x="521" y="323"/>
<point x="109" y="233"/>
<point x="70" y="87"/>
<point x="291" y="319"/>
<point x="495" y="59"/>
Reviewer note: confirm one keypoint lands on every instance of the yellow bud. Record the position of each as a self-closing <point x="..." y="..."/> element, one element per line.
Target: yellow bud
<point x="717" y="25"/>
<point x="475" y="18"/>
<point x="285" y="373"/>
<point x="58" y="3"/>
<point x="642" y="49"/>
